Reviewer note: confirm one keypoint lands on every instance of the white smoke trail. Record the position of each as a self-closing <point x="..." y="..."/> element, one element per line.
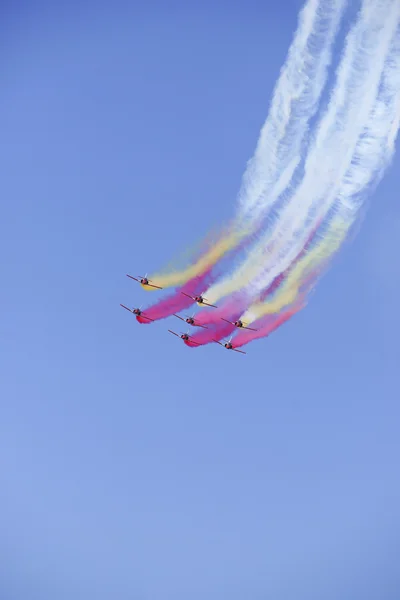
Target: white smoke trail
<point x="362" y="141"/>
<point x="349" y="148"/>
<point x="295" y="101"/>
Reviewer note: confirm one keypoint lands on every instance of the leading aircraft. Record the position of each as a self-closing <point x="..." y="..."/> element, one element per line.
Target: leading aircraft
<point x="144" y="282"/>
<point x="239" y="324"/>
<point x="191" y="321"/>
<point x="199" y="299"/>
<point x="185" y="337"/>
<point x="229" y="346"/>
<point x="137" y="312"/>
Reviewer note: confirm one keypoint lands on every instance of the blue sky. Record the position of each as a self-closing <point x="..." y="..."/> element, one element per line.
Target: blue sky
<point x="131" y="466"/>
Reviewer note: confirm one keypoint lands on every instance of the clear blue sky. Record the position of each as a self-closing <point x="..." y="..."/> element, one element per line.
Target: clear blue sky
<point x="131" y="466"/>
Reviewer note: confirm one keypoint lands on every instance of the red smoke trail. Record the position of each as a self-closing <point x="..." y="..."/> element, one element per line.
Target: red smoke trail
<point x="142" y="319"/>
<point x="177" y="301"/>
<point x="265" y="326"/>
<point x="189" y="343"/>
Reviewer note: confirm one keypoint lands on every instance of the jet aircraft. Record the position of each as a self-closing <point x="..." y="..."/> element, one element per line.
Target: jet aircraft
<point x="229" y="346"/>
<point x="191" y="321"/>
<point x="184" y="336"/>
<point x="144" y="282"/>
<point x="199" y="299"/>
<point x="137" y="312"/>
<point x="239" y="324"/>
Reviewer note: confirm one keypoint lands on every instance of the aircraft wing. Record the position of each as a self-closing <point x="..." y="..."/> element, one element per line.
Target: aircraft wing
<point x="152" y="285"/>
<point x="173" y="333"/>
<point x="126" y="308"/>
<point x="187" y="295"/>
<point x="208" y="304"/>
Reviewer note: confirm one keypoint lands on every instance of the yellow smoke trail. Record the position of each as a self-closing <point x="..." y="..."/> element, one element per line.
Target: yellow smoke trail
<point x="225" y="244"/>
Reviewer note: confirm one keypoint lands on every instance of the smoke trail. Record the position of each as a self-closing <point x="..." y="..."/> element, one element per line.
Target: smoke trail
<point x="295" y="101"/>
<point x="337" y="148"/>
<point x="357" y="150"/>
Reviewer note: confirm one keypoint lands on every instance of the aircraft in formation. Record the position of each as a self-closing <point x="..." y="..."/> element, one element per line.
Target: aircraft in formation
<point x="191" y="321"/>
<point x="144" y="282"/>
<point x="238" y="324"/>
<point x="185" y="337"/>
<point x="137" y="312"/>
<point x="200" y="300"/>
<point x="229" y="346"/>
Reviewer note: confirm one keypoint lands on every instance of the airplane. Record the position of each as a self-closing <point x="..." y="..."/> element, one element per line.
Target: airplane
<point x="239" y="324"/>
<point x="191" y="321"/>
<point x="185" y="337"/>
<point x="137" y="312"/>
<point x="199" y="299"/>
<point x="144" y="282"/>
<point x="229" y="346"/>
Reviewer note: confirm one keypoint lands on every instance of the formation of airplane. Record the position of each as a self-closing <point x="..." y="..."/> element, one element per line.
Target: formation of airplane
<point x="200" y="300"/>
